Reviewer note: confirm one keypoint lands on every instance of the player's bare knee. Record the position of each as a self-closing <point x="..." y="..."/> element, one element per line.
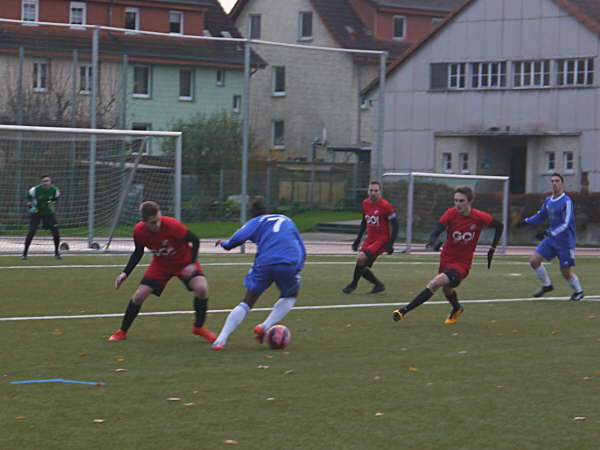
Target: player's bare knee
<point x="362" y="259"/>
<point x="566" y="273"/>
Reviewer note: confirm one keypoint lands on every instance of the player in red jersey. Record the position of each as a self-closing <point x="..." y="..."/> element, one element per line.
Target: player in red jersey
<point x="175" y="250"/>
<point x="381" y="224"/>
<point x="464" y="225"/>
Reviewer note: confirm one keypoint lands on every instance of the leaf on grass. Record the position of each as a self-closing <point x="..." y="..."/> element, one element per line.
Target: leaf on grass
<point x="579" y="418"/>
<point x="403" y="349"/>
<point x="83" y="354"/>
<point x="287" y="372"/>
<point x="587" y="378"/>
<point x="120" y="369"/>
<point x="173" y="399"/>
<point x="188" y="404"/>
<point x="261" y="366"/>
<point x="21" y="417"/>
<point x="348" y="325"/>
<point x="57" y="332"/>
<point x="515" y="331"/>
<point x="268" y="356"/>
<point x="230" y="442"/>
<point x="270" y="398"/>
<point x="493" y="321"/>
<point x="413" y="369"/>
<point x="499" y="334"/>
<point x="462" y="352"/>
<point x="120" y="360"/>
<point x="98" y="420"/>
<point x="555" y="332"/>
<point x="454" y="334"/>
<point x="377" y="377"/>
<point x="378" y="414"/>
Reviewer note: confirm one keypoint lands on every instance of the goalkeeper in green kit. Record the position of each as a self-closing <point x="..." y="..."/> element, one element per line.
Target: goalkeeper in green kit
<point x="41" y="200"/>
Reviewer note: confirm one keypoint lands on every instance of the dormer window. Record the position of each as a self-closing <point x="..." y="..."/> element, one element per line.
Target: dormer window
<point x="77" y="14"/>
<point x="29" y="11"/>
<point x="132" y="18"/>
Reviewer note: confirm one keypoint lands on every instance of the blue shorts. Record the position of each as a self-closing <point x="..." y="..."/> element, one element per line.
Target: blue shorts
<point x="550" y="249"/>
<point x="285" y="276"/>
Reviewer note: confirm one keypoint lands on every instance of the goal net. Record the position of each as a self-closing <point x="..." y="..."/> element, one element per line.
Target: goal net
<point x="102" y="175"/>
<point x="420" y="199"/>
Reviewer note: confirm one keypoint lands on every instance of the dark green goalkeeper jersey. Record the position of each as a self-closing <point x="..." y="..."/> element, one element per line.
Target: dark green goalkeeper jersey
<point x="42" y="201"/>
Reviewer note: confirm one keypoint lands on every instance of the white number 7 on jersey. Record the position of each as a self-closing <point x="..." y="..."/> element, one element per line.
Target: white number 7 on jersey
<point x="278" y="222"/>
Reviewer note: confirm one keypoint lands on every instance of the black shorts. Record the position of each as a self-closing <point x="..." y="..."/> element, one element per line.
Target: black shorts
<point x="48" y="220"/>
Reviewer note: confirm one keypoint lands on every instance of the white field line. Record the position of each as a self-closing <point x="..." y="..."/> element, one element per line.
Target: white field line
<point x="357" y="305"/>
<point x="249" y="263"/>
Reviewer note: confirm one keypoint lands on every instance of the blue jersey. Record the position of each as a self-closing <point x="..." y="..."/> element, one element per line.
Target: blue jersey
<point x="560" y="214"/>
<point x="276" y="237"/>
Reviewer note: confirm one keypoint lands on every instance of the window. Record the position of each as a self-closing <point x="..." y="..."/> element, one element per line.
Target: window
<point x="138" y="141"/>
<point x="550" y="161"/>
<point x="29" y="10"/>
<point x="40" y="75"/>
<point x="447" y="162"/>
<point x="278" y="81"/>
<point x="132" y="18"/>
<point x="176" y="22"/>
<point x="531" y="74"/>
<point x="575" y="72"/>
<point x="399" y="27"/>
<point x="278" y="134"/>
<point x="456" y="76"/>
<point x="85" y="78"/>
<point x="77" y="14"/>
<point x="220" y="77"/>
<point x="463" y="162"/>
<point x="185" y="84"/>
<point x="237" y="103"/>
<point x="568" y="164"/>
<point x="488" y="75"/>
<point x="141" y="81"/>
<point x="254" y="26"/>
<point x="305" y="26"/>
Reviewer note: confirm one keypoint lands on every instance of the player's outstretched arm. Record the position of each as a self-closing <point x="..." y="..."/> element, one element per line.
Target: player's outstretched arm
<point x="134" y="259"/>
<point x="498" y="228"/>
<point x="433" y="237"/>
<point x="361" y="231"/>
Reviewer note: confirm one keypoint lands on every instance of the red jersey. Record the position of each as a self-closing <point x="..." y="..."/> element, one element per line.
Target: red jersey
<point x="167" y="244"/>
<point x="378" y="215"/>
<point x="463" y="234"/>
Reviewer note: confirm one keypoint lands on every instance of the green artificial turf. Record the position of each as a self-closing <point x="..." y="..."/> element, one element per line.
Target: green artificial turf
<point x="507" y="375"/>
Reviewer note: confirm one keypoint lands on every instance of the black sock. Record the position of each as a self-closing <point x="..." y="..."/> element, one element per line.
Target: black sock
<point x="28" y="240"/>
<point x="56" y="238"/>
<point x="453" y="299"/>
<point x="423" y="296"/>
<point x="130" y="314"/>
<point x="358" y="272"/>
<point x="200" y="306"/>
<point x="370" y="277"/>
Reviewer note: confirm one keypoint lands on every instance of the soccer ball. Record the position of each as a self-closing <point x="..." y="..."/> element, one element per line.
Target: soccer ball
<point x="278" y="336"/>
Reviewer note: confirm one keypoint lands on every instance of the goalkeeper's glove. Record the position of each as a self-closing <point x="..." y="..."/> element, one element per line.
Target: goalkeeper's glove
<point x="355" y="245"/>
<point x="389" y="247"/>
<point x="541" y="235"/>
<point x="490" y="256"/>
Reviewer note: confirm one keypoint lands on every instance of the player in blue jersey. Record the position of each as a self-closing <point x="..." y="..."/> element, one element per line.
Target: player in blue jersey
<point x="280" y="256"/>
<point x="558" y="240"/>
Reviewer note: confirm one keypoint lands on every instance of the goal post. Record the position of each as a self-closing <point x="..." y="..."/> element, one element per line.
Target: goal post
<point x="102" y="176"/>
<point x="420" y="198"/>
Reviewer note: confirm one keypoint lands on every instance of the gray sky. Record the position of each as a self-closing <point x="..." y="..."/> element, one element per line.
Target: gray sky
<point x="227" y="4"/>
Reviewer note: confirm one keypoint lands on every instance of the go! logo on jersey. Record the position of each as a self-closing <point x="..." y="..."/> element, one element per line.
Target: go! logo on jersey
<point x="466" y="236"/>
<point x="372" y="220"/>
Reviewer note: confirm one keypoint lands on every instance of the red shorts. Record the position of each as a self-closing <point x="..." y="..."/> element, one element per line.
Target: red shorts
<point x="158" y="275"/>
<point x="461" y="269"/>
<point x="373" y="248"/>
